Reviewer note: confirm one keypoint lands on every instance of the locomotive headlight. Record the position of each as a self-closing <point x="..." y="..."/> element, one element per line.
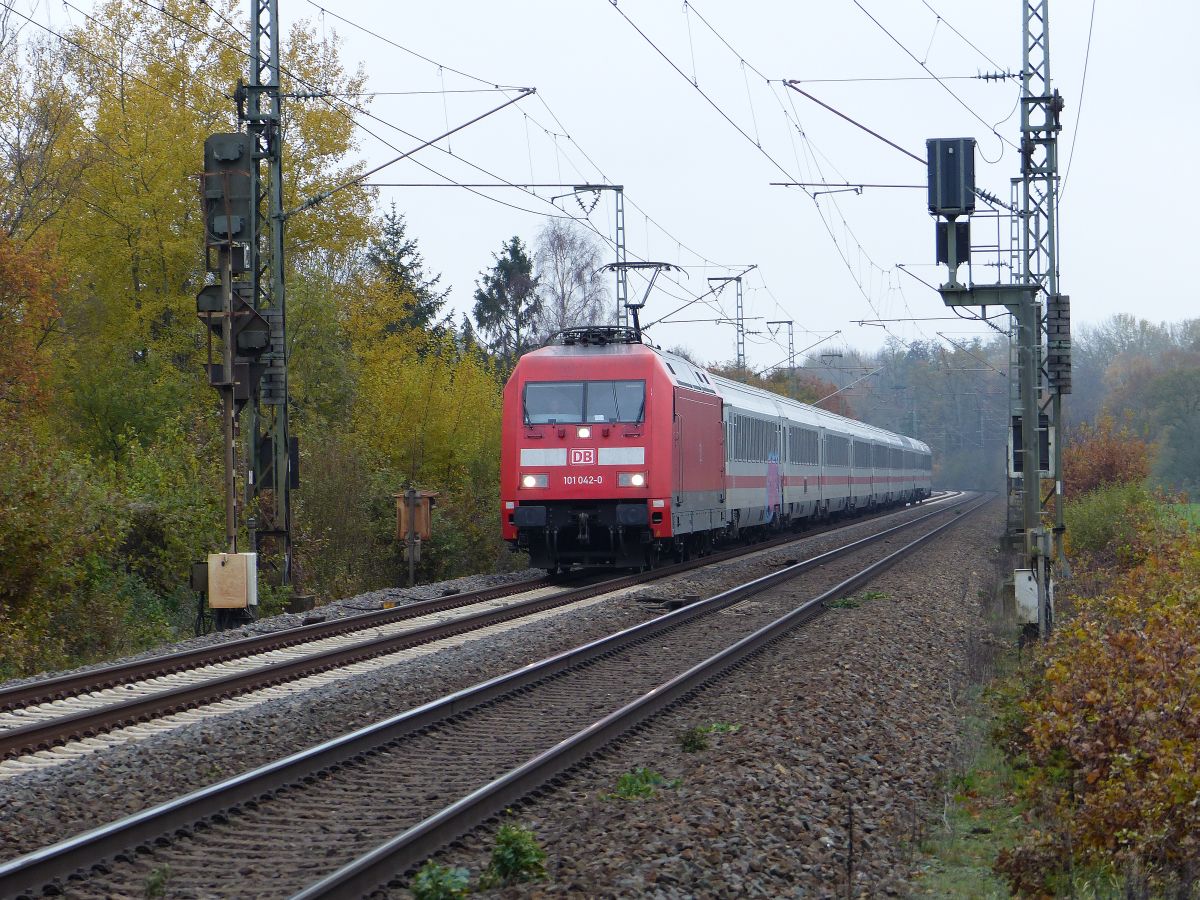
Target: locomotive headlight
<point x="631" y="479"/>
<point x="584" y="432"/>
<point x="535" y="481"/>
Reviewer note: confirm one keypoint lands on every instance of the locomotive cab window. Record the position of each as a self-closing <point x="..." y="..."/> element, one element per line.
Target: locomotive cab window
<point x="576" y="402"/>
<point x="615" y="401"/>
<point x="548" y="402"/>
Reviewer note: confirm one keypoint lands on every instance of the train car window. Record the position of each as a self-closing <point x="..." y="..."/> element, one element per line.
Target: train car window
<point x="616" y="401"/>
<point x="837" y="450"/>
<point x="803" y="446"/>
<point x="548" y="402"/>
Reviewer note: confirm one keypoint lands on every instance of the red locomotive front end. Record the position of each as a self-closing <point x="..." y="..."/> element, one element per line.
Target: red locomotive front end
<point x="584" y="478"/>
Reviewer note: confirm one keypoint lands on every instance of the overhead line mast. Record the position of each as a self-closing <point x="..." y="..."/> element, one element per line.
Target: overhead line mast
<point x="270" y="451"/>
<point x="620" y="266"/>
<point x="741" y="320"/>
<point x="1042" y="331"/>
<point x="244" y="230"/>
<point x="1041" y="110"/>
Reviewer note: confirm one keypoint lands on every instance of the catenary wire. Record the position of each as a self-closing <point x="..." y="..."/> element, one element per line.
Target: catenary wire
<point x="964" y="38"/>
<point x="811" y="148"/>
<point x="945" y="86"/>
<point x="409" y="50"/>
<point x="744" y="134"/>
<point x="583" y="221"/>
<point x="1079" y="108"/>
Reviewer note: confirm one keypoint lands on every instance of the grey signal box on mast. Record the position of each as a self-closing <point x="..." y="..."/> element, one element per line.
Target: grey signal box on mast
<point x="951" y="176"/>
<point x="227" y="188"/>
<point x="952" y="194"/>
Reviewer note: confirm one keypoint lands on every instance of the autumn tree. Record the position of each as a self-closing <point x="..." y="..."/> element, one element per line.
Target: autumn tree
<point x="323" y="367"/>
<point x="1113" y="358"/>
<point x="508" y="303"/>
<point x="1103" y="455"/>
<point x="41" y="158"/>
<point x="568" y="261"/>
<point x="31" y="282"/>
<point x="100" y="146"/>
<point x="131" y="227"/>
<point x="428" y="413"/>
<point x="1172" y="404"/>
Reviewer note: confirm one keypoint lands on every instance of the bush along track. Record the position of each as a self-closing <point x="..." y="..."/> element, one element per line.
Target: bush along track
<point x="1086" y="775"/>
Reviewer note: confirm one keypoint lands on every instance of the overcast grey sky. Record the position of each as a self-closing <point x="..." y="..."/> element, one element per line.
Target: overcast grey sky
<point x="698" y="193"/>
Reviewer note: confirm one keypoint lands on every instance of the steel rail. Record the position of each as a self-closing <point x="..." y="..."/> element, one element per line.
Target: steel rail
<point x="43" y="866"/>
<point x="43" y="735"/>
<point x="86" y="723"/>
<point x="73" y="684"/>
<point x="404" y="852"/>
<point x="64" y="686"/>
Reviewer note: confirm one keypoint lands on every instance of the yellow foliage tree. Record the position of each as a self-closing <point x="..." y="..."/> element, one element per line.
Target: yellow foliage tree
<point x="428" y="413"/>
<point x="149" y="85"/>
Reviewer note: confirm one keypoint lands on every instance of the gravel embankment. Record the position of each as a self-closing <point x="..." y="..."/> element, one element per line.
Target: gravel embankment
<point x="45" y="806"/>
<point x="852" y="718"/>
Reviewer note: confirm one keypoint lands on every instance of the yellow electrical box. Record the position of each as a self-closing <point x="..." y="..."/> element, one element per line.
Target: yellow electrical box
<point x="422" y="503"/>
<point x="232" y="580"/>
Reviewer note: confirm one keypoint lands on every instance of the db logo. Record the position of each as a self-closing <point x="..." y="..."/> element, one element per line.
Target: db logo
<point x="583" y="456"/>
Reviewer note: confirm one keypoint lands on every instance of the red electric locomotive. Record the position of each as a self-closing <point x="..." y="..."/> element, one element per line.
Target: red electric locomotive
<point x="614" y="452"/>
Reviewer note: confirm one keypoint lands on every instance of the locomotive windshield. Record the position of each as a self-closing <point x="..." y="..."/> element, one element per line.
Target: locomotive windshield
<point x="577" y="402"/>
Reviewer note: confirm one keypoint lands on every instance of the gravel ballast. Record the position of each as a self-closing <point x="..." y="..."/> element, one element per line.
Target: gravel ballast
<point x="336" y="609"/>
<point x="42" y="807"/>
<point x="854" y="718"/>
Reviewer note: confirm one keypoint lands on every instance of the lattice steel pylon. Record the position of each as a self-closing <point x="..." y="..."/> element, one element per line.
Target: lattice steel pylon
<point x="1041" y="109"/>
<point x="269" y="451"/>
<point x="739" y="321"/>
<point x="622" y="258"/>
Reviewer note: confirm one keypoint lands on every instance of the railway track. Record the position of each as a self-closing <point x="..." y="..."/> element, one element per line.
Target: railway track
<point x="388" y="795"/>
<point x="52" y="721"/>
